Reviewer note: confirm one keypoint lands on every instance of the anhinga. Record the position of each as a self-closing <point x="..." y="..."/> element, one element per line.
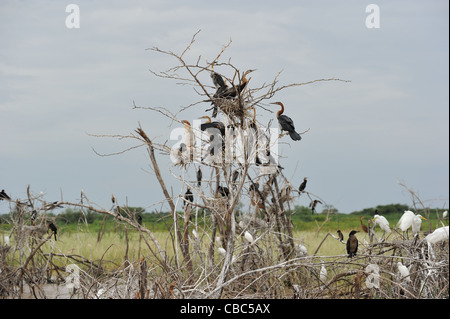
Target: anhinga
<point x="363" y="227"/>
<point x="212" y="125"/>
<point x="223" y="191"/>
<point x="303" y="185"/>
<point x="352" y="244"/>
<point x="286" y="123"/>
<point x="199" y="177"/>
<point x="216" y="131"/>
<point x="4" y="196"/>
<point x="188" y="141"/>
<point x="188" y="197"/>
<point x="53" y="228"/>
<point x="217" y="79"/>
<point x="313" y="205"/>
<point x="341" y="235"/>
<point x="226" y="92"/>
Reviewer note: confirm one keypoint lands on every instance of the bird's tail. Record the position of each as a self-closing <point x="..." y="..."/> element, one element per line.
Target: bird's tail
<point x="295" y="136"/>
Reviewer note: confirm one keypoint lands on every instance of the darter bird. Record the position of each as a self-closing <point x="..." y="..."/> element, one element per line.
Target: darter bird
<point x="303" y="185"/>
<point x="188" y="197"/>
<point x="286" y="123"/>
<point x="199" y="177"/>
<point x="4" y="196"/>
<point x="352" y="244"/>
<point x="223" y="191"/>
<point x="217" y="79"/>
<point x="313" y="205"/>
<point x="226" y="92"/>
<point x="53" y="228"/>
<point x="341" y="235"/>
<point x="363" y="227"/>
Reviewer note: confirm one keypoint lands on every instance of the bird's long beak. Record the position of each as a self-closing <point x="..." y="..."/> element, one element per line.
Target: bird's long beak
<point x="423" y="218"/>
<point x="373" y="219"/>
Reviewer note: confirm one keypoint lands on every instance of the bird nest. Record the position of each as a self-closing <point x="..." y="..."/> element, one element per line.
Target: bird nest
<point x="234" y="108"/>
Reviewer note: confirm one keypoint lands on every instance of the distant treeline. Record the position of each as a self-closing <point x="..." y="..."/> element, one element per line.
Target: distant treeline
<point x="302" y="217"/>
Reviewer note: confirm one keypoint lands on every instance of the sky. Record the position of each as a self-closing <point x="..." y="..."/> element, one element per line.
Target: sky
<point x="60" y="85"/>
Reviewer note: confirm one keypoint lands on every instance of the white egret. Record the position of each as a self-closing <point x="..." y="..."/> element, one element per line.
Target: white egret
<point x="440" y="234"/>
<point x="6" y="240"/>
<point x="444" y="214"/>
<point x="404" y="272"/>
<point x="406" y="220"/>
<point x="194" y="233"/>
<point x="301" y="250"/>
<point x="409" y="219"/>
<point x="382" y="222"/>
<point x="417" y="223"/>
<point x="248" y="237"/>
<point x="323" y="273"/>
<point x="222" y="251"/>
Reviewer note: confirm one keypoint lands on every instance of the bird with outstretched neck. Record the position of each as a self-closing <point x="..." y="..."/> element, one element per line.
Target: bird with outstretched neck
<point x="286" y="123"/>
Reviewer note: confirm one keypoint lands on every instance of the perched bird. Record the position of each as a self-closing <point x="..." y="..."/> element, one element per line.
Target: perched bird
<point x="409" y="219"/>
<point x="53" y="228"/>
<point x="439" y="234"/>
<point x="217" y="79"/>
<point x="406" y="220"/>
<point x="222" y="251"/>
<point x="33" y="216"/>
<point x="248" y="237"/>
<point x="227" y="92"/>
<point x="352" y="244"/>
<point x="4" y="196"/>
<point x="210" y="126"/>
<point x="139" y="219"/>
<point x="341" y="235"/>
<point x="199" y="177"/>
<point x="286" y="123"/>
<point x="417" y="223"/>
<point x="313" y="205"/>
<point x="363" y="227"/>
<point x="223" y="191"/>
<point x="323" y="273"/>
<point x="235" y="176"/>
<point x="444" y="214"/>
<point x="256" y="202"/>
<point x="404" y="272"/>
<point x="188" y="197"/>
<point x="303" y="185"/>
<point x="382" y="222"/>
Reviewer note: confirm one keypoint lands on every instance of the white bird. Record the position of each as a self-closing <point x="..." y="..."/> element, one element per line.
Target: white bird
<point x="440" y="234"/>
<point x="194" y="233"/>
<point x="444" y="214"/>
<point x="248" y="237"/>
<point x="406" y="220"/>
<point x="221" y="251"/>
<point x="404" y="272"/>
<point x="6" y="240"/>
<point x="417" y="223"/>
<point x="382" y="222"/>
<point x="301" y="250"/>
<point x="323" y="273"/>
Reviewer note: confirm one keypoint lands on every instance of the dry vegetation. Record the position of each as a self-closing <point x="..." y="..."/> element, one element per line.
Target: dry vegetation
<point x="216" y="260"/>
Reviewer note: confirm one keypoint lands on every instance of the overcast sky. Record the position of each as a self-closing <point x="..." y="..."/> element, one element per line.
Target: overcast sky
<point x="389" y="124"/>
